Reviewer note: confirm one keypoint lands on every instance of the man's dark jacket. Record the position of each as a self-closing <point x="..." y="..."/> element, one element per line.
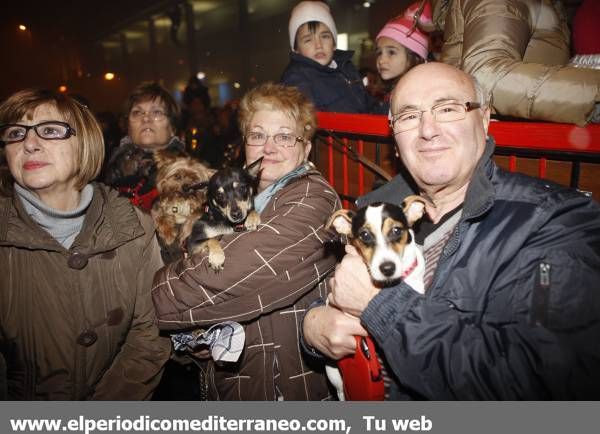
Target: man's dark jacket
<point x="513" y="312"/>
<point x="331" y="89"/>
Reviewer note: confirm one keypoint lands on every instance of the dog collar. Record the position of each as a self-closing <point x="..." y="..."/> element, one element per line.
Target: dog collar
<point x="133" y="191"/>
<point x="409" y="270"/>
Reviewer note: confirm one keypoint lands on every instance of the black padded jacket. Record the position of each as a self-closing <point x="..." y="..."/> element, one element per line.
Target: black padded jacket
<point x="513" y="312"/>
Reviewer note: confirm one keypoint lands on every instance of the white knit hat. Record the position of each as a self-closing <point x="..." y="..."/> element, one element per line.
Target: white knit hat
<point x="307" y="11"/>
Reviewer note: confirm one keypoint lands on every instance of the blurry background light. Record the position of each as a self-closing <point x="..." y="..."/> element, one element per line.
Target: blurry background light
<point x="109" y="76"/>
<point x="22" y="27"/>
<point x="62" y="89"/>
<point x="201" y="75"/>
<point x="342" y="41"/>
<point x="236" y="85"/>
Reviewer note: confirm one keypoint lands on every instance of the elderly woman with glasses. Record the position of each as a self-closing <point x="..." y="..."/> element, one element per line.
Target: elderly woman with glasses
<point x="151" y="125"/>
<point x="76" y="317"/>
<point x="271" y="275"/>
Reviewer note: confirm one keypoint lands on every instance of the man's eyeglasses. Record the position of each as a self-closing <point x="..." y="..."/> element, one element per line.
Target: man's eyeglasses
<point x="49" y="130"/>
<point x="155" y="115"/>
<point x="281" y="139"/>
<point x="443" y="112"/>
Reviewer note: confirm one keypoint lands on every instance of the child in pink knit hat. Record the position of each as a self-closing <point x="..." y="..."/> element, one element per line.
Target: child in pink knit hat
<point x="403" y="43"/>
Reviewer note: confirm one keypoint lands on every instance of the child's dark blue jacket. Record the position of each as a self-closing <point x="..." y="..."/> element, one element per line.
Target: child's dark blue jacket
<point x="331" y="89"/>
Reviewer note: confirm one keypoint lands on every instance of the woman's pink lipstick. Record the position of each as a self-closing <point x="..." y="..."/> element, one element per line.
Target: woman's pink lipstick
<point x="32" y="165"/>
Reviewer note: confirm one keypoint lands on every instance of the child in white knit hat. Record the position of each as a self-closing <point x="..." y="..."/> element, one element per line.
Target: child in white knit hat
<point x="324" y="74"/>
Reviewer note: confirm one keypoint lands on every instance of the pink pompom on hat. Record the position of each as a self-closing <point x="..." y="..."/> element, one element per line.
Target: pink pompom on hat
<point x="405" y="30"/>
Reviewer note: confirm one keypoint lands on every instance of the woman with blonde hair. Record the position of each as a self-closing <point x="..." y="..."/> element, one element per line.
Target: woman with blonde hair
<point x="270" y="275"/>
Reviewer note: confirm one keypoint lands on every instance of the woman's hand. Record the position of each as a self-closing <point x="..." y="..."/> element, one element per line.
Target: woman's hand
<point x="352" y="289"/>
<point x="331" y="331"/>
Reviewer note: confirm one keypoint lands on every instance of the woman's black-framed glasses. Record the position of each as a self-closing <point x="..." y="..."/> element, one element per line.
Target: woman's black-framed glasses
<point x="48" y="130"/>
<point x="281" y="139"/>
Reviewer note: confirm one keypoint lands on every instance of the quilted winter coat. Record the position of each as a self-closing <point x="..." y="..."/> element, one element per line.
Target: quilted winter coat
<point x="518" y="49"/>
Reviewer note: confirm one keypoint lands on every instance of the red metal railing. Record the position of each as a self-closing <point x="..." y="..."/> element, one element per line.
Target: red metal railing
<point x="519" y="144"/>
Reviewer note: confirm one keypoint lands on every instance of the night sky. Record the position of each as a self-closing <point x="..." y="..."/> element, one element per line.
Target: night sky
<point x="55" y="29"/>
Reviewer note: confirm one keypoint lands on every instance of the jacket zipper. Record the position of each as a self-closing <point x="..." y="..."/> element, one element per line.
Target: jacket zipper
<point x="203" y="377"/>
<point x="545" y="275"/>
<point x="540" y="296"/>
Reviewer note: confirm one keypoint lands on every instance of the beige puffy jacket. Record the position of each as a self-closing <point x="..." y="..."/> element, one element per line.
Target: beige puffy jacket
<point x="518" y="50"/>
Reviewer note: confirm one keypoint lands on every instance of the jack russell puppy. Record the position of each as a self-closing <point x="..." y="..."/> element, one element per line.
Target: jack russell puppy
<point x="382" y="234"/>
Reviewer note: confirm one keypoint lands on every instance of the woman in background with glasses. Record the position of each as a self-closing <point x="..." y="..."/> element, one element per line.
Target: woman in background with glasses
<point x="76" y="261"/>
<point x="271" y="275"/>
<point x="151" y="126"/>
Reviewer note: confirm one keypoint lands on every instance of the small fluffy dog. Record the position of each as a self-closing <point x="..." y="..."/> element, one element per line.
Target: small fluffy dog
<point x="382" y="234"/>
<point x="181" y="182"/>
<point x="128" y="165"/>
<point x="230" y="207"/>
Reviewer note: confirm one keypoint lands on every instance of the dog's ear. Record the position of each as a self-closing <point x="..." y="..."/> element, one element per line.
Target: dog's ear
<point x="254" y="168"/>
<point x="195" y="187"/>
<point x="414" y="208"/>
<point x="341" y="220"/>
<point x="163" y="158"/>
<point x="210" y="172"/>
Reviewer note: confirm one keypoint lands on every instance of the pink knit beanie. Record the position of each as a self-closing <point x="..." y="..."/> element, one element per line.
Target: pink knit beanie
<point x="403" y="29"/>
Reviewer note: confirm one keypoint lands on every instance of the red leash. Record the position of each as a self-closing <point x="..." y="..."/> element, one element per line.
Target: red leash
<point x="361" y="373"/>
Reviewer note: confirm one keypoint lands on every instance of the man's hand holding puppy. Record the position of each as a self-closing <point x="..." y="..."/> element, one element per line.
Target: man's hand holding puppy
<point x="331" y="331"/>
<point x="328" y="328"/>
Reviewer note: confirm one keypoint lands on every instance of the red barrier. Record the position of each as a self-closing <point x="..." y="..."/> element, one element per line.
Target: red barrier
<point x="543" y="142"/>
<point x="543" y="136"/>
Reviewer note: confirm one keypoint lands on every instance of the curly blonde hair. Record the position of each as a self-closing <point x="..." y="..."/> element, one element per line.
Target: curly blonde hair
<point x="287" y="99"/>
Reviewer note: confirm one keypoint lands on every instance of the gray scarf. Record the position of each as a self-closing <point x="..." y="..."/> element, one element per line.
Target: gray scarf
<point x="263" y="198"/>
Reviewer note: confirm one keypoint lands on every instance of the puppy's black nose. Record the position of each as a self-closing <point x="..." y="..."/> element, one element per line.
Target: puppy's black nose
<point x="387" y="268"/>
<point x="236" y="214"/>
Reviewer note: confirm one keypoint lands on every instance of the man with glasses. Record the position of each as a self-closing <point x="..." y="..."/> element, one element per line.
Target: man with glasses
<point x="512" y="302"/>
